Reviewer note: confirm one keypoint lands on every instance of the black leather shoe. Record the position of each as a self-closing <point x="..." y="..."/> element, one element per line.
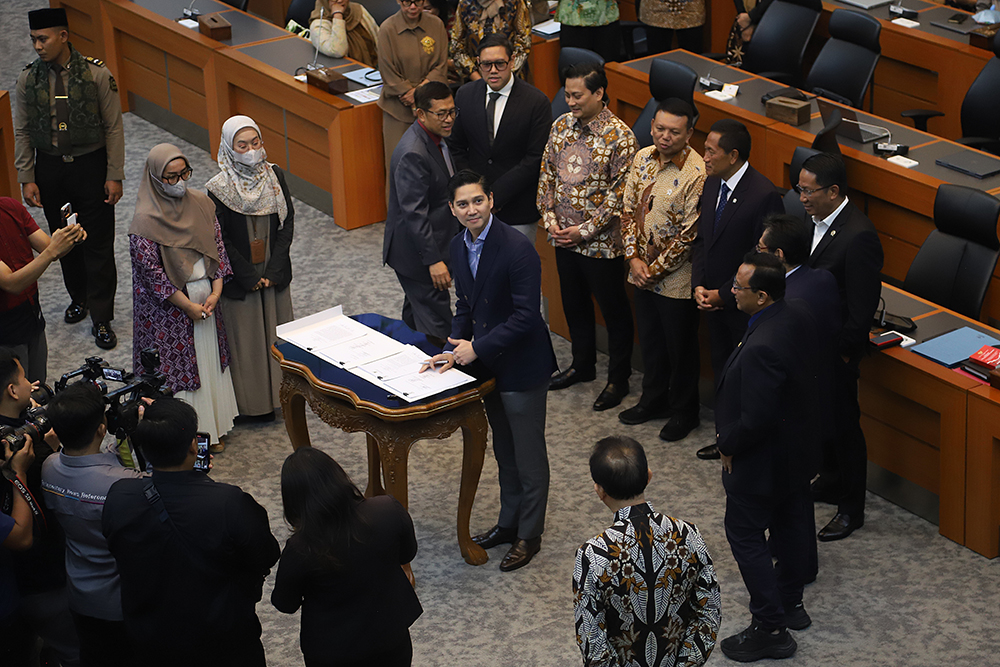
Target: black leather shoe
<point x="103" y="335"/>
<point x="521" y="554"/>
<point x="840" y="526"/>
<point x="677" y="429"/>
<point x="75" y="313"/>
<point x="797" y="618"/>
<point x="495" y="536"/>
<point x="640" y="414"/>
<point x="570" y="377"/>
<point x="709" y="453"/>
<point x="755" y="643"/>
<point x="611" y="396"/>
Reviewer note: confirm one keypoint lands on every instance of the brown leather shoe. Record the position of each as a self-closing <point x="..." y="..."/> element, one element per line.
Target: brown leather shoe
<point x="495" y="536"/>
<point x="521" y="553"/>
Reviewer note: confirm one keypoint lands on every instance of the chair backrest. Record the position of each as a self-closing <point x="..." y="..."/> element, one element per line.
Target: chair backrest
<point x="954" y="266"/>
<point x="793" y="206"/>
<point x="569" y="56"/>
<point x="380" y="9"/>
<point x="980" y="117"/>
<point x="846" y="64"/>
<point x="779" y="41"/>
<point x="666" y="79"/>
<point x="238" y="4"/>
<point x="299" y="12"/>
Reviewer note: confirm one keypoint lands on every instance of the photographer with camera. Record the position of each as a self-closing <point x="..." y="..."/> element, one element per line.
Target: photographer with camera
<point x="23" y="325"/>
<point x="190" y="551"/>
<point x="15" y="535"/>
<point x="75" y="484"/>
<point x="40" y="570"/>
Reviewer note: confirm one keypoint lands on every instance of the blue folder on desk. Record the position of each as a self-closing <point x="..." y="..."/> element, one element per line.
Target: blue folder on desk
<point x="954" y="347"/>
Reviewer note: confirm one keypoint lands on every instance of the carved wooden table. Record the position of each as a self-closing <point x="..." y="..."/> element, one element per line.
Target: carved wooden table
<point x="392" y="426"/>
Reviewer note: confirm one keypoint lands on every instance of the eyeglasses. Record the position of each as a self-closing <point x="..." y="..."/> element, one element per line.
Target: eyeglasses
<point x="736" y="287"/>
<point x="171" y="179"/>
<point x="447" y="114"/>
<point x="411" y="3"/>
<point x="761" y="248"/>
<point x="498" y="65"/>
<point x="807" y="192"/>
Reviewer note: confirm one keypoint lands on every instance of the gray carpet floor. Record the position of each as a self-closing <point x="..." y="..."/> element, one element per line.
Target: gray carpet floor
<point x="895" y="593"/>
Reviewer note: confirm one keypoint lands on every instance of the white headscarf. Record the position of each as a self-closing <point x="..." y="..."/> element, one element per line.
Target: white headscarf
<point x="248" y="190"/>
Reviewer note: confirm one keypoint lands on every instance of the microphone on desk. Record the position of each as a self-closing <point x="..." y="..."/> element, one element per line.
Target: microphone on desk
<point x="190" y="12"/>
<point x="313" y="65"/>
<point x="708" y="82"/>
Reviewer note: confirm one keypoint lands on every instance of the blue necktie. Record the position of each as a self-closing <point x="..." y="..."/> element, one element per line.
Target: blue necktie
<point x="724" y="189"/>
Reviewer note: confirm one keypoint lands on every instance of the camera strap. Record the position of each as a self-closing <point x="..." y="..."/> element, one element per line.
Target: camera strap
<point x="36" y="510"/>
<point x="156" y="502"/>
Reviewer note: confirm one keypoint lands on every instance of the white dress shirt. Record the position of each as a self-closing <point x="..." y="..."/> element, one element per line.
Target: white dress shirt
<point x="730" y="182"/>
<point x="822" y="225"/>
<point x="501" y="103"/>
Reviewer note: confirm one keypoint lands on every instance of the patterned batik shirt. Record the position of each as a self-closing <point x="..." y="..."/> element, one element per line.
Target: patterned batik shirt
<point x="587" y="13"/>
<point x="660" y="217"/>
<point x="583" y="178"/>
<point x="646" y="593"/>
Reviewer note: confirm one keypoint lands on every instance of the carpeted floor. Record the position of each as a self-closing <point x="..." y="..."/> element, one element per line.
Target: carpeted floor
<point x="895" y="593"/>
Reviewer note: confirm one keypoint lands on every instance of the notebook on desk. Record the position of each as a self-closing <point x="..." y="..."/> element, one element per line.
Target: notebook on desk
<point x="850" y="127"/>
<point x="971" y="162"/>
<point x="962" y="28"/>
<point x="952" y="348"/>
<point x="866" y="4"/>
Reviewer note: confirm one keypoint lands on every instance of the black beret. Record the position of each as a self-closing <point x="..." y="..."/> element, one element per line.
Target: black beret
<point x="50" y="17"/>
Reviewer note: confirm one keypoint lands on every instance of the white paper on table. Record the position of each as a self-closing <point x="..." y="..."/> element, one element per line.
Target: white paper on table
<point x="409" y="360"/>
<point x="321" y="330"/>
<point x="370" y="347"/>
<point x="416" y="386"/>
<point x="188" y="23"/>
<point x="906" y="23"/>
<point x="549" y="28"/>
<point x="365" y="94"/>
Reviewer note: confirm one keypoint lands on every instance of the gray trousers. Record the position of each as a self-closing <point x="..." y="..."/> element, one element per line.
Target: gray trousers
<point x="425" y="308"/>
<point x="34" y="356"/>
<point x="518" y="422"/>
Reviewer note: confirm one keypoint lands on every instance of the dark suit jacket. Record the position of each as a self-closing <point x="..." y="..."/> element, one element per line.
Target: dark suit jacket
<point x="512" y="164"/>
<point x="852" y="252"/>
<point x="419" y="224"/>
<point x="818" y="288"/>
<point x="500" y="311"/>
<point x="762" y="403"/>
<point x="237" y="241"/>
<point x="717" y="253"/>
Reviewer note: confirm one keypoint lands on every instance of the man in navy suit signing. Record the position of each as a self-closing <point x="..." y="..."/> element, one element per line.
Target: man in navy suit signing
<point x="497" y="320"/>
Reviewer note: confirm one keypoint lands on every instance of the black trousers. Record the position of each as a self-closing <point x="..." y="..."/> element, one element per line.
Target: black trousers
<point x="582" y="279"/>
<point x="845" y="455"/>
<point x="659" y="40"/>
<point x="89" y="270"/>
<point x="774" y="588"/>
<point x="725" y="331"/>
<point x="104" y="643"/>
<point x="398" y="654"/>
<point x="605" y="40"/>
<point x="668" y="337"/>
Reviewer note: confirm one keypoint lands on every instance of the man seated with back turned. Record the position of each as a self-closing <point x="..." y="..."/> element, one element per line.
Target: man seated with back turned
<point x="75" y="483"/>
<point x="645" y="588"/>
<point x="192" y="553"/>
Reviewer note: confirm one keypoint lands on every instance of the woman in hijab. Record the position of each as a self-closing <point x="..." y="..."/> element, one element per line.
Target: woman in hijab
<point x="255" y="212"/>
<point x="340" y="28"/>
<point x="474" y="19"/>
<point x="178" y="267"/>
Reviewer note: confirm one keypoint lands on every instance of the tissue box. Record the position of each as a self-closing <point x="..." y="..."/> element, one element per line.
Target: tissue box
<point x="787" y="110"/>
<point x="215" y="27"/>
<point x="328" y="80"/>
<point x="982" y="37"/>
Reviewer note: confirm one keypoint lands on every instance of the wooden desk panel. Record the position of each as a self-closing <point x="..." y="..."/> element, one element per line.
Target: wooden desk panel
<point x="544" y="63"/>
<point x="8" y="174"/>
<point x="982" y="492"/>
<point x="85" y="26"/>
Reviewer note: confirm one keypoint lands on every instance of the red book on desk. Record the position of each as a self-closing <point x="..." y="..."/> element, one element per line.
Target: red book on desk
<point x="987" y="357"/>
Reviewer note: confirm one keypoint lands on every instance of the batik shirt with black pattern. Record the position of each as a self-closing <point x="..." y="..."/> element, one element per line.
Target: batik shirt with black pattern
<point x="646" y="593"/>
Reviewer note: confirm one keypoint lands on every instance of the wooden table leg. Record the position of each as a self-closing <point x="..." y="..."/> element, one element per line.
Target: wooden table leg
<point x="394" y="453"/>
<point x="293" y="408"/>
<point x="474" y="427"/>
<point x="375" y="487"/>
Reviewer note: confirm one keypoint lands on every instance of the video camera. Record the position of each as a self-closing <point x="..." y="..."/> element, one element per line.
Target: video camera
<point x="36" y="425"/>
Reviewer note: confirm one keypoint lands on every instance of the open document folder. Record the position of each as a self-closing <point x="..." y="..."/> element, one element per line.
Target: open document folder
<point x="369" y="354"/>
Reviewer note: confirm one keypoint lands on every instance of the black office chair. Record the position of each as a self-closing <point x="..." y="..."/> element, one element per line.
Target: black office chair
<point x="238" y="4"/>
<point x="955" y="264"/>
<point x="666" y="79"/>
<point x="980" y="118"/>
<point x="299" y="12"/>
<point x="845" y="66"/>
<point x="634" y="36"/>
<point x="779" y="42"/>
<point x="791" y="199"/>
<point x="569" y="56"/>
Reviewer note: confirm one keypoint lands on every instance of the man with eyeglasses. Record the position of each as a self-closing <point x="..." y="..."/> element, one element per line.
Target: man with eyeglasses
<point x="419" y="225"/>
<point x="501" y="134"/>
<point x="845" y="243"/>
<point x="70" y="149"/>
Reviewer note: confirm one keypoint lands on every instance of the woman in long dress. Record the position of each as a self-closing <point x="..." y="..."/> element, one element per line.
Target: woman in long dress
<point x="179" y="265"/>
<point x="255" y="212"/>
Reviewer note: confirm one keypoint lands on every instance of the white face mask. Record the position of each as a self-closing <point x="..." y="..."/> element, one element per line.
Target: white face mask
<point x="176" y="190"/>
<point x="252" y="157"/>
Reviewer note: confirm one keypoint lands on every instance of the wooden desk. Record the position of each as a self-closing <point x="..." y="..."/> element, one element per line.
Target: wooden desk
<point x="392" y="426"/>
<point x="8" y="174"/>
<point x="544" y="63"/>
<point x="899" y="201"/>
<point x="982" y="490"/>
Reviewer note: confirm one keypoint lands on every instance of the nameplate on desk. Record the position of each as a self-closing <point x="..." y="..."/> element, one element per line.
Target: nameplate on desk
<point x="906" y="23"/>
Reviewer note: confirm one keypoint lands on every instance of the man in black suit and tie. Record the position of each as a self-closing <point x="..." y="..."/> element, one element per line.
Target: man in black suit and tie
<point x="498" y="279"/>
<point x="734" y="203"/>
<point x="763" y="429"/>
<point x="501" y="134"/>
<point x="419" y="225"/>
<point x="846" y="244"/>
